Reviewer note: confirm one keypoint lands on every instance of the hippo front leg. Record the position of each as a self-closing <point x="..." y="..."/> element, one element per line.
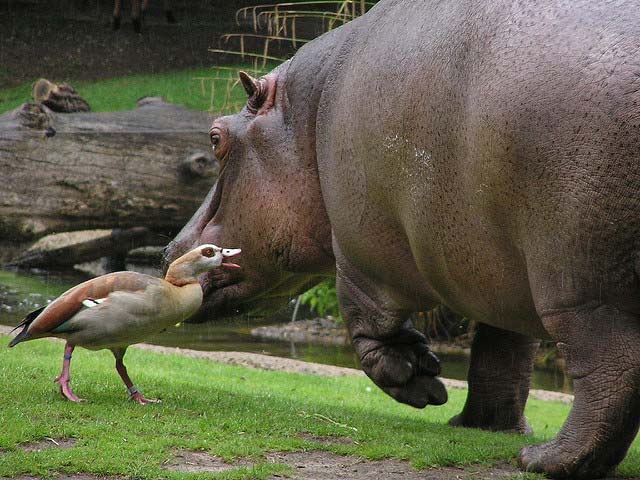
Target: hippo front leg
<point x="499" y="379"/>
<point x="391" y="351"/>
<point x="602" y="347"/>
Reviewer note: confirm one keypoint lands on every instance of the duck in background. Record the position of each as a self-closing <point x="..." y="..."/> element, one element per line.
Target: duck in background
<point x="122" y="308"/>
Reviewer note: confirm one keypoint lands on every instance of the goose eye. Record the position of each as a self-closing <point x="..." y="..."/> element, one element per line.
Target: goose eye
<point x="208" y="252"/>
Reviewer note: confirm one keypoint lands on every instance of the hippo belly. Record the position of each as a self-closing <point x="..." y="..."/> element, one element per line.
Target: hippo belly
<point x="474" y="167"/>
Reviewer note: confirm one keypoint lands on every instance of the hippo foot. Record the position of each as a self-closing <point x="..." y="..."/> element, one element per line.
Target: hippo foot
<point x="464" y="420"/>
<point x="405" y="371"/>
<point x="559" y="460"/>
<point x="419" y="392"/>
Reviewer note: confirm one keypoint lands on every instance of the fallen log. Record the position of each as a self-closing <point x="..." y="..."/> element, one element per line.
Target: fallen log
<point x="65" y="250"/>
<point x="149" y="167"/>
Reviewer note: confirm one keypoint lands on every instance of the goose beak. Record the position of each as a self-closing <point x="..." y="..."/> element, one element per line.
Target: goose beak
<point x="230" y="253"/>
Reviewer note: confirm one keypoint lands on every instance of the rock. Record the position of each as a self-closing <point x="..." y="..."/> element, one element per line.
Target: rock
<point x="323" y="331"/>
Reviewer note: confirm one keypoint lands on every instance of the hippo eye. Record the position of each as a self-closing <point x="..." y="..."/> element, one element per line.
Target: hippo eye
<point x="208" y="252"/>
<point x="219" y="137"/>
<point x="215" y="140"/>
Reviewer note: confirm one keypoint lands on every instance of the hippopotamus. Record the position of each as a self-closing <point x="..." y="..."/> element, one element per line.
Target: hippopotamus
<point x="484" y="156"/>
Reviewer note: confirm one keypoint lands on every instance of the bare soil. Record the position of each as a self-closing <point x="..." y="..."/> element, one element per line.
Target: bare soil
<point x="66" y="476"/>
<point x="199" y="462"/>
<point x="321" y="465"/>
<point x="47" y="443"/>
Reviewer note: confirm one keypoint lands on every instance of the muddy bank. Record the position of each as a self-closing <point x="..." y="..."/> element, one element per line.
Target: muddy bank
<point x="322" y="331"/>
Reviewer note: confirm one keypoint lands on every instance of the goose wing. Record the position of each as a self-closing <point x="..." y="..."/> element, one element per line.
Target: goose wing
<point x="90" y="292"/>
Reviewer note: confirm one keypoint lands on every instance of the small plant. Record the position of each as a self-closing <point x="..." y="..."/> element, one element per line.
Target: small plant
<point x="322" y="299"/>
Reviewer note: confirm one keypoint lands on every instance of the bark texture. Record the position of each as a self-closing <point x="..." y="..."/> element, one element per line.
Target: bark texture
<point x="150" y="167"/>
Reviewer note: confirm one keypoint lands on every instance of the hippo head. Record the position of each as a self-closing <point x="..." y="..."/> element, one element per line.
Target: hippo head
<point x="266" y="201"/>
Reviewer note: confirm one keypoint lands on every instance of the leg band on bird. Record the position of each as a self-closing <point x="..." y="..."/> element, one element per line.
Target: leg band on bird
<point x="63" y="379"/>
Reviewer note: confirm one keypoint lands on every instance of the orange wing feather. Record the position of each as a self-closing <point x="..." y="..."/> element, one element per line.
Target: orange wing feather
<point x="69" y="303"/>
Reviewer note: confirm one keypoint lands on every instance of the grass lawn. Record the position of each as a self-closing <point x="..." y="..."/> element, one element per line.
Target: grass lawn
<point x="191" y="88"/>
<point x="227" y="411"/>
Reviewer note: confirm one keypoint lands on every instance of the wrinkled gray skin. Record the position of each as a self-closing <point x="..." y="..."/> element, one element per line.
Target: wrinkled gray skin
<point x="486" y="158"/>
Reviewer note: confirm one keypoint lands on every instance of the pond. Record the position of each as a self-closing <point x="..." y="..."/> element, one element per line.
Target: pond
<point x="20" y="293"/>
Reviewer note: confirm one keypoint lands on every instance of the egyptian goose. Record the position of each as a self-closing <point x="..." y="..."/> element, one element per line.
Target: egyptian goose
<point x="122" y="308"/>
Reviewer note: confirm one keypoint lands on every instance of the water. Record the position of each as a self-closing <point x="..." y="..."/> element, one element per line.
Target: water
<point x="21" y="293"/>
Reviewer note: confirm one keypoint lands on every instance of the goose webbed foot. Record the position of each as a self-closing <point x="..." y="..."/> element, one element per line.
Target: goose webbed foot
<point x="137" y="396"/>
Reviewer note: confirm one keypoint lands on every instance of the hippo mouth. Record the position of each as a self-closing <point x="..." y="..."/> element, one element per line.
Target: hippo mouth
<point x="228" y="293"/>
<point x="223" y="290"/>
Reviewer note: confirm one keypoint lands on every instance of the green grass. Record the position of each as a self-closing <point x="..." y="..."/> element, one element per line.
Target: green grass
<point x="225" y="410"/>
<point x="183" y="87"/>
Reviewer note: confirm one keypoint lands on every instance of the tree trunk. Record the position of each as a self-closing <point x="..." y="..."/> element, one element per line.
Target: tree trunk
<point x="150" y="167"/>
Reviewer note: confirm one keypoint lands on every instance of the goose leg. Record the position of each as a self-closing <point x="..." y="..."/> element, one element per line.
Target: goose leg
<point x="63" y="379"/>
<point x="134" y="393"/>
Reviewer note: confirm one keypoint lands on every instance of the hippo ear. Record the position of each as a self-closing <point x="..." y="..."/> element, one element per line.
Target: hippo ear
<point x="250" y="84"/>
<point x="261" y="92"/>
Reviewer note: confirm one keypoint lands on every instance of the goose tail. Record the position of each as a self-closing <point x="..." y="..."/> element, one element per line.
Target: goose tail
<point x="23" y="335"/>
